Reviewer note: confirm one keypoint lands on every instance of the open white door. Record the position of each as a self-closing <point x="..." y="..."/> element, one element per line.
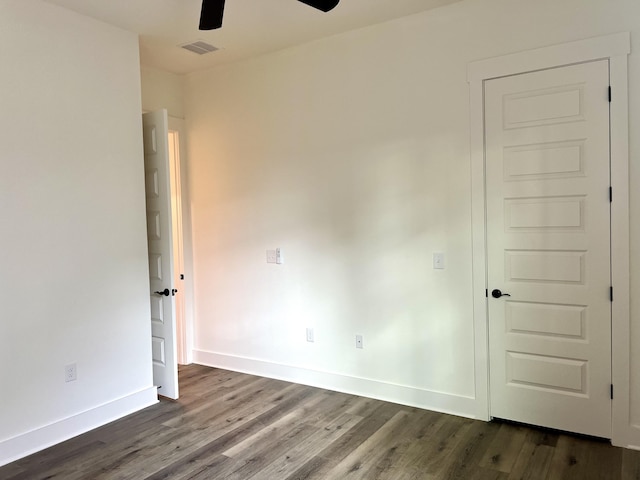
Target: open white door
<point x="162" y="294"/>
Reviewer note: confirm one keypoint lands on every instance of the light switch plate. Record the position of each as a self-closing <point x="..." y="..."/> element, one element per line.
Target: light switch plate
<point x="438" y="261"/>
<point x="271" y="256"/>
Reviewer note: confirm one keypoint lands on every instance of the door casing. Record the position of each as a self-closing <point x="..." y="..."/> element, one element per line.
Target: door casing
<point x="616" y="48"/>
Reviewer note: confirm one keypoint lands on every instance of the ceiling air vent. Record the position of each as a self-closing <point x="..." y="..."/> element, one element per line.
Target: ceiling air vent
<point x="199" y="47"/>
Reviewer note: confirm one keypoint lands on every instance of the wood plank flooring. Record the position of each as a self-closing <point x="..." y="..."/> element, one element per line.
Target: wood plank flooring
<point x="233" y="426"/>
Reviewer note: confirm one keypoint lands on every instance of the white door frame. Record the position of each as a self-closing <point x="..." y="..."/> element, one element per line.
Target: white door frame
<point x="615" y="48"/>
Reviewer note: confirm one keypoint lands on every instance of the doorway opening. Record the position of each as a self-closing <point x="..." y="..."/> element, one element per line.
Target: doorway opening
<point x="169" y="247"/>
<point x="181" y="241"/>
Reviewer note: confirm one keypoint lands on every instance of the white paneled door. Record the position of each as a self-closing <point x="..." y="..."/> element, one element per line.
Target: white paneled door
<point x="159" y="231"/>
<point x="548" y="247"/>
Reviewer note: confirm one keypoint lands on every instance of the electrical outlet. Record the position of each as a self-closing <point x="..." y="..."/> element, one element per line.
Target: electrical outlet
<point x="70" y="373"/>
<point x="279" y="258"/>
<point x="310" y="336"/>
<point x="271" y="256"/>
<point x="359" y="341"/>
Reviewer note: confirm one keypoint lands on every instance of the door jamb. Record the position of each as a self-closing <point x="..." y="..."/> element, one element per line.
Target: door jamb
<point x="615" y="48"/>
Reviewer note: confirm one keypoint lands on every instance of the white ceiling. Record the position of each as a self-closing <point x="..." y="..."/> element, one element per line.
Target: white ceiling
<point x="250" y="28"/>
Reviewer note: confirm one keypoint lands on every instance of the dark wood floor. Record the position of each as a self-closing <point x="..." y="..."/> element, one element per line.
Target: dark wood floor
<point x="232" y="426"/>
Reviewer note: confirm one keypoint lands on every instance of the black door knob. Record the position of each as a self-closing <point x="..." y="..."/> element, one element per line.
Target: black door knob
<point x="497" y="294"/>
<point x="164" y="292"/>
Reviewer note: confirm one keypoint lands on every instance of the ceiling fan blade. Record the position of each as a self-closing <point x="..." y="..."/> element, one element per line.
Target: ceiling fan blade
<point x="211" y="14"/>
<point x="324" y="5"/>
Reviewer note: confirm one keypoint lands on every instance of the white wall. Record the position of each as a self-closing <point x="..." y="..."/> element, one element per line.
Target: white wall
<point x="162" y="89"/>
<point x="74" y="283"/>
<point x="352" y="155"/>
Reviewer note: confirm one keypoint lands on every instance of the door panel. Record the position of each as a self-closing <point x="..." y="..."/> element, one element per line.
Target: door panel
<point x="548" y="210"/>
<point x="159" y="235"/>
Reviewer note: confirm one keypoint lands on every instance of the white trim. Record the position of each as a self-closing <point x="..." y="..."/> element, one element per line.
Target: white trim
<point x="614" y="47"/>
<point x="440" y="402"/>
<point x="479" y="253"/>
<point x="618" y="44"/>
<point x="624" y="434"/>
<point x="30" y="442"/>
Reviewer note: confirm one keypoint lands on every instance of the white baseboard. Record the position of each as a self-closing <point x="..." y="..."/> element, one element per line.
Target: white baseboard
<point x="389" y="392"/>
<point x="27" y="443"/>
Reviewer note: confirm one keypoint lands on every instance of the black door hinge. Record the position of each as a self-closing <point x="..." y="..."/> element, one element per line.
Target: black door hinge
<point x="486" y="292"/>
<point x="612" y="391"/>
<point x="610" y="194"/>
<point x="611" y="293"/>
<point x="609" y="94"/>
